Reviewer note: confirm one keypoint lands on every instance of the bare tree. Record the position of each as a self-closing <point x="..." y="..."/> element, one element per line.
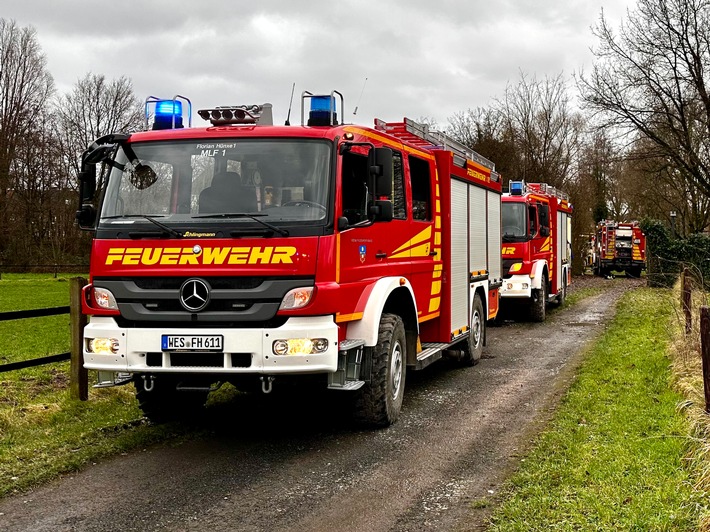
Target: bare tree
<point x="484" y="130"/>
<point x="546" y="128"/>
<point x="650" y="80"/>
<point x="25" y="87"/>
<point x="94" y="108"/>
<point x="532" y="133"/>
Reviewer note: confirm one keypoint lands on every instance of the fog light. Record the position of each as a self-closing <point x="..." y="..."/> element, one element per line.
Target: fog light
<point x="509" y="286"/>
<point x="300" y="346"/>
<point x="102" y="346"/>
<point x="525" y="286"/>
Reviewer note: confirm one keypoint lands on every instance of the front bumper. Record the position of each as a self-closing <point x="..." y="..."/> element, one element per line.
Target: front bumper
<point x="139" y="349"/>
<point x="519" y="286"/>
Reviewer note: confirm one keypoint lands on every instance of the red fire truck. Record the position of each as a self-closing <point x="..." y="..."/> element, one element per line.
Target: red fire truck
<point x="536" y="246"/>
<point x="250" y="253"/>
<point x="620" y="246"/>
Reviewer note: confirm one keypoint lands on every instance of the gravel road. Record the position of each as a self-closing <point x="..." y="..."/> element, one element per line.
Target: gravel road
<point x="293" y="463"/>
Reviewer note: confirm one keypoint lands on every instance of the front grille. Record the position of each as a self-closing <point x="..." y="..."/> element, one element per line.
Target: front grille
<point x="217" y="283"/>
<point x="233" y="301"/>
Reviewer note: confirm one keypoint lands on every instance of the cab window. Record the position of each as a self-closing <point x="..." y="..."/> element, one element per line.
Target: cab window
<point x="420" y="175"/>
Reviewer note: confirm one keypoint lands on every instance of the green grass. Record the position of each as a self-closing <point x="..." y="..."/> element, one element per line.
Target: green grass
<point x="42" y="431"/>
<point x="613" y="457"/>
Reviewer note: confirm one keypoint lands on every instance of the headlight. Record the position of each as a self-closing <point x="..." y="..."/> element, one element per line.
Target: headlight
<point x="105" y="299"/>
<point x="300" y="346"/>
<point x="102" y="346"/>
<point x="516" y="267"/>
<point x="297" y="298"/>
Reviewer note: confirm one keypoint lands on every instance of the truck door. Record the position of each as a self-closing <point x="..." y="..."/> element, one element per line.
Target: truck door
<point x="369" y="250"/>
<point x="425" y="241"/>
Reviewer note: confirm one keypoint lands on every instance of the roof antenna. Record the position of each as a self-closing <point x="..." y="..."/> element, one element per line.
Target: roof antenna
<point x="360" y="98"/>
<point x="288" y="117"/>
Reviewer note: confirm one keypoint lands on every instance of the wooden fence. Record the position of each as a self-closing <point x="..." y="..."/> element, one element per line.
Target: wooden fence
<point x="78" y="376"/>
<point x="686" y="305"/>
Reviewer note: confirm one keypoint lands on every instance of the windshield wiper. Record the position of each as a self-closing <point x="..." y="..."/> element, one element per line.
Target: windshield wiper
<point x="169" y="230"/>
<point x="253" y="215"/>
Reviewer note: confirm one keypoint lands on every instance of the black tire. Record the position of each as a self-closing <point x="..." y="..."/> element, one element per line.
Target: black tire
<point x="634" y="272"/>
<point x="164" y="402"/>
<point x="563" y="293"/>
<point x="538" y="302"/>
<point x="474" y="344"/>
<point x="379" y="402"/>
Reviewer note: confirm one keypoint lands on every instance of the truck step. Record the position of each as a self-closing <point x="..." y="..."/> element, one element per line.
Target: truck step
<point x="430" y="353"/>
<point x="348" y="386"/>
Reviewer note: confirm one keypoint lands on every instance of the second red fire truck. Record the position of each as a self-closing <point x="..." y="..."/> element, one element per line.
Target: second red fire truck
<point x="536" y="246"/>
<point x="619" y="246"/>
<point x="251" y="253"/>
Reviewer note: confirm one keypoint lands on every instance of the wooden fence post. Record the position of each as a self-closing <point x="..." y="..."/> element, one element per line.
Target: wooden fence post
<point x="78" y="376"/>
<point x="705" y="352"/>
<point x="686" y="301"/>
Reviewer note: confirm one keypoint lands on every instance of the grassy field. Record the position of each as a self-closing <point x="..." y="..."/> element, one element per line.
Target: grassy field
<point x="42" y="431"/>
<point x="614" y="456"/>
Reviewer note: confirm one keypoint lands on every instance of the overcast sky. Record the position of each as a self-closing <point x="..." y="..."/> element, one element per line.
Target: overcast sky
<point x="421" y="58"/>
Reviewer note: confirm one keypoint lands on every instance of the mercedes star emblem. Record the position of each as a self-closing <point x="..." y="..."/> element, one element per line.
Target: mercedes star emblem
<point x="194" y="294"/>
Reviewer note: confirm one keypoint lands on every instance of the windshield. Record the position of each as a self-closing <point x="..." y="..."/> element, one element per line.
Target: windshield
<point x="190" y="181"/>
<point x="513" y="218"/>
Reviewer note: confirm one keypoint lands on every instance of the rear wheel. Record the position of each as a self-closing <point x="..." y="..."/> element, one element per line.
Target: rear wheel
<point x="634" y="271"/>
<point x="164" y="402"/>
<point x="379" y="402"/>
<point x="474" y="345"/>
<point x="563" y="292"/>
<point x="539" y="299"/>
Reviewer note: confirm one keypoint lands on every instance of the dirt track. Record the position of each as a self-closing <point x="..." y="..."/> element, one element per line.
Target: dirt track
<point x="295" y="464"/>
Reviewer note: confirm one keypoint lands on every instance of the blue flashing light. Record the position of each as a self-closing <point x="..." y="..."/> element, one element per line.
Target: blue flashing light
<point x="323" y="103"/>
<point x="168" y="114"/>
<point x="516" y="188"/>
<point x="323" y="111"/>
<point x="168" y="108"/>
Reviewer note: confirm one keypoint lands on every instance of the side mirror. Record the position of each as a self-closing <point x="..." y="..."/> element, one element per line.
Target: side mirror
<point x="382" y="170"/>
<point x="544" y="216"/>
<point x="86" y="217"/>
<point x="381" y="211"/>
<point x="87" y="183"/>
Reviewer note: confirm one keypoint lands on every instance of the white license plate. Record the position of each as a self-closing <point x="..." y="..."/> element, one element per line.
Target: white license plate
<point x="185" y="342"/>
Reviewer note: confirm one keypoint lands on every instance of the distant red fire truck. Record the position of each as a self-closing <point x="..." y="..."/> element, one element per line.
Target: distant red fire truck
<point x="536" y="246"/>
<point x="250" y="253"/>
<point x="619" y="246"/>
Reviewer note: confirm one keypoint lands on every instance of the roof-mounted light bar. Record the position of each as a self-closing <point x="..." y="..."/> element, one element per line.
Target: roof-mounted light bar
<point x="167" y="114"/>
<point x="259" y="115"/>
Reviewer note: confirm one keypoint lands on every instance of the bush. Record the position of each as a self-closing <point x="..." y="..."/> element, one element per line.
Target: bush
<point x="667" y="256"/>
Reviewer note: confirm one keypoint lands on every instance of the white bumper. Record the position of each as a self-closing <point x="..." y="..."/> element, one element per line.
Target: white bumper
<point x="517" y="286"/>
<point x="135" y="344"/>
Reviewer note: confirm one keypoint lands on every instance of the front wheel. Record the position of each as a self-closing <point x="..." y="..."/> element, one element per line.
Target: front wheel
<point x="474" y="345"/>
<point x="539" y="300"/>
<point x="379" y="402"/>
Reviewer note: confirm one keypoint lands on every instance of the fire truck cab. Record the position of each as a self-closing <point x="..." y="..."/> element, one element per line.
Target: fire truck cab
<point x="252" y="253"/>
<point x="536" y="246"/>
